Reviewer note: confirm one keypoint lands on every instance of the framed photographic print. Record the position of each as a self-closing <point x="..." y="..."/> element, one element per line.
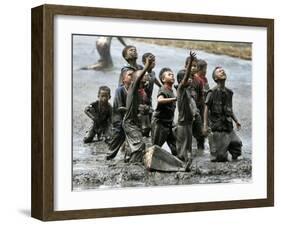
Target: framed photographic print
<point x="141" y="112"/>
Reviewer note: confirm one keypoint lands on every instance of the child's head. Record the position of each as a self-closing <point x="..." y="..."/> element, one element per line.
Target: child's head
<point x="202" y="67"/>
<point x="218" y="74"/>
<point x="194" y="67"/>
<point x="127" y="76"/>
<point x="146" y="55"/>
<point x="130" y="53"/>
<point x="104" y="94"/>
<point x="180" y="76"/>
<point x="166" y="75"/>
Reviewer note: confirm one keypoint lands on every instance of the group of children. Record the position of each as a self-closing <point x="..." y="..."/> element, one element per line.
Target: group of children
<point x="202" y="111"/>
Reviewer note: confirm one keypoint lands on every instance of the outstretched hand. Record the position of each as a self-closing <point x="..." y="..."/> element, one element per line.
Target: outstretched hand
<point x="192" y="55"/>
<point x="238" y="126"/>
<point x="149" y="60"/>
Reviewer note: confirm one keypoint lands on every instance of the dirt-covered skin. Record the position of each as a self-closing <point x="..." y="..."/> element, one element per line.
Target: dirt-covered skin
<point x="91" y="170"/>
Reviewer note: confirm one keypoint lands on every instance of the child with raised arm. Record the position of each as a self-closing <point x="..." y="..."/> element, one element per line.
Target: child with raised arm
<point x="130" y="123"/>
<point x="163" y="117"/>
<point x="219" y="114"/>
<point x="100" y="112"/>
<point x="195" y="88"/>
<point x="187" y="110"/>
<point x="151" y="78"/>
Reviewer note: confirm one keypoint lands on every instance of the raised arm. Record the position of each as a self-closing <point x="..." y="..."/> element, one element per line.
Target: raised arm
<point x="140" y="73"/>
<point x="184" y="81"/>
<point x="122" y="41"/>
<point x="156" y="81"/>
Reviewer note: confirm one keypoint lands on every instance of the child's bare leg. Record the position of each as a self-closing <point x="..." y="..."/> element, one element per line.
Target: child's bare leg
<point x="89" y="135"/>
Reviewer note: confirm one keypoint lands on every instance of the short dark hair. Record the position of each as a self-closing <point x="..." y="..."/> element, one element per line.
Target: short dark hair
<point x="162" y="71"/>
<point x="104" y="88"/>
<point x="124" y="52"/>
<point x="180" y="75"/>
<point x="201" y="64"/>
<point x="144" y="56"/>
<point x="214" y="73"/>
<point x="124" y="70"/>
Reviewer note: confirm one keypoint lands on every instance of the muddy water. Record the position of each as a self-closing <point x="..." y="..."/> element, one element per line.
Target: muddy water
<point x="90" y="170"/>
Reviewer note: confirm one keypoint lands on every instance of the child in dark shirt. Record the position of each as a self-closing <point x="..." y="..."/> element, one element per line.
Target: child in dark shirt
<point x="162" y="121"/>
<point x="187" y="110"/>
<point x="219" y="114"/>
<point x="119" y="110"/>
<point x="100" y="112"/>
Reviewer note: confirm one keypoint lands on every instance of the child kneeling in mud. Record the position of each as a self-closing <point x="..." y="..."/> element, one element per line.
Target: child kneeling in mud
<point x="100" y="112"/>
<point x="219" y="110"/>
<point x="130" y="122"/>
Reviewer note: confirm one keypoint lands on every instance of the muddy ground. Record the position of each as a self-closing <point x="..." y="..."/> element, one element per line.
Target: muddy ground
<point x="91" y="170"/>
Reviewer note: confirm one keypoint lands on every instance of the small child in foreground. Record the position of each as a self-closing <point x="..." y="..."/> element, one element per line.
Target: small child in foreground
<point x="100" y="112"/>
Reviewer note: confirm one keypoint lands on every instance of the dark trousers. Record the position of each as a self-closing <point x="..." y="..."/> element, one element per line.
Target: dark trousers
<point x="161" y="133"/>
<point x="184" y="141"/>
<point x="134" y="139"/>
<point x="117" y="140"/>
<point x="224" y="142"/>
<point x="97" y="130"/>
<point x="197" y="131"/>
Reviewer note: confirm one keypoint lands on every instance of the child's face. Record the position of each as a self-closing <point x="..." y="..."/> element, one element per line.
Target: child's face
<point x="168" y="77"/>
<point x="104" y="96"/>
<point x="128" y="77"/>
<point x="203" y="71"/>
<point x="220" y="74"/>
<point x="145" y="79"/>
<point x="131" y="53"/>
<point x="194" y="68"/>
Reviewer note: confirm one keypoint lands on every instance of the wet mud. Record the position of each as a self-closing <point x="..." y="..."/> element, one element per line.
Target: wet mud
<point x="92" y="171"/>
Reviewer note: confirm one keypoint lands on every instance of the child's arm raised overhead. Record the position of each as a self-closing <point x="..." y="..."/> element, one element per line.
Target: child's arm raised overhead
<point x="141" y="73"/>
<point x="156" y="81"/>
<point x="184" y="81"/>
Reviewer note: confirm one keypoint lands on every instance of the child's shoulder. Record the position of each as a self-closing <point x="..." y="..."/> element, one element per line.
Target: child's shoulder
<point x="120" y="89"/>
<point x="229" y="90"/>
<point x="165" y="92"/>
<point x="216" y="88"/>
